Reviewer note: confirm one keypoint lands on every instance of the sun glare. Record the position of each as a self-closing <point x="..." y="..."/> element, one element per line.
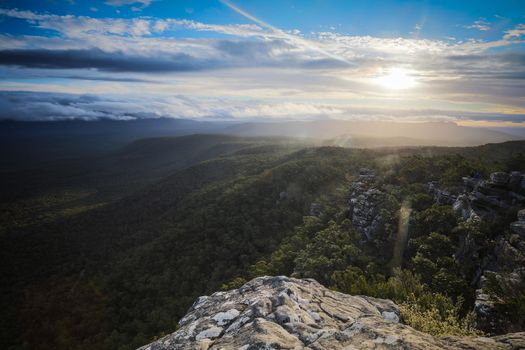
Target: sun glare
<point x="397" y="79"/>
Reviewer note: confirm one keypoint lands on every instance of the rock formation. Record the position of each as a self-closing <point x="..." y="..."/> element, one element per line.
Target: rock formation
<point x="483" y="200"/>
<point x="506" y="263"/>
<point x="286" y="313"/>
<point x="440" y="196"/>
<point x="364" y="203"/>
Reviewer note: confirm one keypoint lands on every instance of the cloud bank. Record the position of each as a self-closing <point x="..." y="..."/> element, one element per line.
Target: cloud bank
<point x="52" y="106"/>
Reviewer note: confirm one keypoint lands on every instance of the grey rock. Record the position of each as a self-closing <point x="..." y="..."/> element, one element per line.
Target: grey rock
<point x="287" y="313"/>
<point x="471" y="183"/>
<point x="440" y="196"/>
<point x="521" y="215"/>
<point x="315" y="209"/>
<point x="482" y="199"/>
<point x="463" y="208"/>
<point x="519" y="226"/>
<point x="499" y="178"/>
<point x="487" y="316"/>
<point x="364" y="201"/>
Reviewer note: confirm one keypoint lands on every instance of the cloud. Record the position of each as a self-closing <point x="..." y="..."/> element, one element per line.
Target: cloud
<point x="117" y="3"/>
<point x="298" y="40"/>
<point x="52" y="106"/>
<point x="113" y="62"/>
<point x="480" y="24"/>
<point x="273" y="70"/>
<point x="515" y="33"/>
<point x="92" y="29"/>
<point x="225" y="54"/>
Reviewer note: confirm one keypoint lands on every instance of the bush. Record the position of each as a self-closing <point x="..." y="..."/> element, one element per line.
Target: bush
<point x="433" y="313"/>
<point x="436" y="319"/>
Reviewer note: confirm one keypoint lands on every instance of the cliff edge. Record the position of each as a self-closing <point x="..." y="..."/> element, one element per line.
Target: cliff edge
<point x="287" y="313"/>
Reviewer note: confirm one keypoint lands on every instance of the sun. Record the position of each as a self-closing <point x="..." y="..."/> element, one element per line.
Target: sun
<point x="397" y="79"/>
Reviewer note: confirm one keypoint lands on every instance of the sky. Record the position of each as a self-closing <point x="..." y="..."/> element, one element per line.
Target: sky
<point x="460" y="61"/>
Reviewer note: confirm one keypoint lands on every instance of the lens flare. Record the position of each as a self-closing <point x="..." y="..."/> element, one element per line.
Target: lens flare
<point x="402" y="234"/>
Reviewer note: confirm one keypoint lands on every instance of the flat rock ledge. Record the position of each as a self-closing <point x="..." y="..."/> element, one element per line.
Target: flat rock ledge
<point x="287" y="313"/>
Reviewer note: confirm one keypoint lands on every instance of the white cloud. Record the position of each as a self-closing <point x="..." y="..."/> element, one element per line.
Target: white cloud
<point x="515" y="33"/>
<point x="480" y="24"/>
<point x="144" y="3"/>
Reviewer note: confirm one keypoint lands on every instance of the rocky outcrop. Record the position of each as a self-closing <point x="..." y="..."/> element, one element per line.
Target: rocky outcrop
<point x="498" y="255"/>
<point x="364" y="201"/>
<point x="518" y="227"/>
<point x="440" y="196"/>
<point x="482" y="198"/>
<point x="487" y="314"/>
<point x="287" y="313"/>
<point x="505" y="263"/>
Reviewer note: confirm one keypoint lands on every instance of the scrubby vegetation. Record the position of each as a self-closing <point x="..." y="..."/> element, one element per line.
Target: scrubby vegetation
<point x="119" y="272"/>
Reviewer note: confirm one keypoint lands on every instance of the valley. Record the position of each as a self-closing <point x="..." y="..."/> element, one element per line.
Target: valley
<point x="123" y="245"/>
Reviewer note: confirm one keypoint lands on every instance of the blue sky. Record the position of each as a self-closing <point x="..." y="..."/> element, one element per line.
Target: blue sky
<point x="437" y="19"/>
<point x="460" y="61"/>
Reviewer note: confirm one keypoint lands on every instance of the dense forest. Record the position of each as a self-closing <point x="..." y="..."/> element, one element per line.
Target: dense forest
<point x="109" y="252"/>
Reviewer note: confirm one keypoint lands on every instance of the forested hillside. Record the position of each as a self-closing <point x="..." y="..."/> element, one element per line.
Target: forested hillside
<point x="110" y="252"/>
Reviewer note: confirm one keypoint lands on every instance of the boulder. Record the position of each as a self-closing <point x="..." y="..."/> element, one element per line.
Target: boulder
<point x="521" y="215"/>
<point x="519" y="226"/>
<point x="315" y="209"/>
<point x="471" y="183"/>
<point x="499" y="178"/>
<point x="287" y="313"/>
<point x="463" y="208"/>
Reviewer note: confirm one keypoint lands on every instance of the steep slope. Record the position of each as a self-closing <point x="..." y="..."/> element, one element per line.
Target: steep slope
<point x="288" y="313"/>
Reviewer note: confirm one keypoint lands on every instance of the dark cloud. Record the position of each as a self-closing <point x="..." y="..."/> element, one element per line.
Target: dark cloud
<point x="117" y="79"/>
<point x="232" y="54"/>
<point x="49" y="106"/>
<point x="104" y="61"/>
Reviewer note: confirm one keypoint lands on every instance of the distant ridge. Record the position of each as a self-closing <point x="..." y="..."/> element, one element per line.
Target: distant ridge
<point x="37" y="141"/>
<point x="424" y="133"/>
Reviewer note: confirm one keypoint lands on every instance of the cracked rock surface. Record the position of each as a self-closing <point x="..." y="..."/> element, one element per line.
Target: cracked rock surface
<point x="287" y="313"/>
